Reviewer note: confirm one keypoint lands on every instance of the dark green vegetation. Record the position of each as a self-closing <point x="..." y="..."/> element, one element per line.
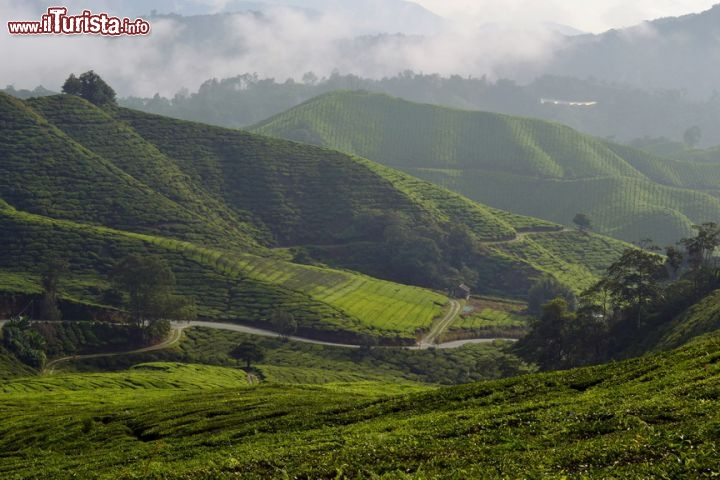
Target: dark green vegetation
<point x="91" y="87"/>
<point x="230" y="211"/>
<point x="643" y="302"/>
<point x="656" y="416"/>
<point x="527" y="166"/>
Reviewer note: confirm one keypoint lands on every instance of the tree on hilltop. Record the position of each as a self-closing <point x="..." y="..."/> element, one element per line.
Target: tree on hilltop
<point x="90" y="87"/>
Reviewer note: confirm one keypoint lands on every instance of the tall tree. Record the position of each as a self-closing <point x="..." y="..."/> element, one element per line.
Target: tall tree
<point x="701" y="248"/>
<point x="248" y="352"/>
<point x="72" y="86"/>
<point x="49" y="281"/>
<point x="546" y="289"/>
<point x="545" y="343"/>
<point x="150" y="287"/>
<point x="283" y="322"/>
<point x="634" y="280"/>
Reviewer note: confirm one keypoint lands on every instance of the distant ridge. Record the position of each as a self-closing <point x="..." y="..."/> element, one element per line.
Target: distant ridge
<point x="528" y="166"/>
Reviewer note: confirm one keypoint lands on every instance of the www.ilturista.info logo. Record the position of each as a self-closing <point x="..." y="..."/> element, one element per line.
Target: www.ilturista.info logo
<point x="58" y="22"/>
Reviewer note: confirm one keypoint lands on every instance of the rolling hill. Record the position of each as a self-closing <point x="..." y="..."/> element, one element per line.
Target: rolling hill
<point x="528" y="166"/>
<point x="249" y="223"/>
<point x="655" y="416"/>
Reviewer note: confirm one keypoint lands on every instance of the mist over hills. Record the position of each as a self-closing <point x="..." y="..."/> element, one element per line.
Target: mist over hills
<point x="672" y="53"/>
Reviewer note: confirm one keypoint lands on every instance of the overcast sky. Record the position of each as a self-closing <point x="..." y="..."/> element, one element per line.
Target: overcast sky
<point x="587" y="15"/>
<point x="287" y="43"/>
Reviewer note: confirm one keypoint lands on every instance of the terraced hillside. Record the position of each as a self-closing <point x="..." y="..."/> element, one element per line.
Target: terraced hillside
<point x="245" y="221"/>
<point x="528" y="166"/>
<point x="652" y="417"/>
<point x="241" y="286"/>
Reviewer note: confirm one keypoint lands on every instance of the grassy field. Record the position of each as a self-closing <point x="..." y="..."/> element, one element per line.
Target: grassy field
<point x="489" y="318"/>
<point x="652" y="417"/>
<point x="523" y="165"/>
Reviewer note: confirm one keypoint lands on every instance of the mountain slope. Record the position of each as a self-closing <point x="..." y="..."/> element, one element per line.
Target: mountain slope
<point x="527" y="166"/>
<point x="655" y="416"/>
<point x="234" y="213"/>
<point x="226" y="285"/>
<point x="670" y="53"/>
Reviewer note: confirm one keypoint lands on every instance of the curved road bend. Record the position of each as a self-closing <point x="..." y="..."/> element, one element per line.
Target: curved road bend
<point x="178" y="327"/>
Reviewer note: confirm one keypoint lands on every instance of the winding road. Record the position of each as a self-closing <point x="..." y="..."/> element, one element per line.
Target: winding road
<point x="177" y="328"/>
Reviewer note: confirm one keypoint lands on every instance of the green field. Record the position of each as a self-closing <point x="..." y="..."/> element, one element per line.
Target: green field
<point x="489" y="318"/>
<point x="523" y="165"/>
<point x="652" y="417"/>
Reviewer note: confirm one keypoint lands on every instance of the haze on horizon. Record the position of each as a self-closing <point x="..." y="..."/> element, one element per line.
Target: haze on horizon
<point x="475" y="38"/>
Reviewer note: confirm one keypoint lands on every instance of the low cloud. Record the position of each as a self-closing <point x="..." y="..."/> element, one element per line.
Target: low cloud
<point x="280" y="43"/>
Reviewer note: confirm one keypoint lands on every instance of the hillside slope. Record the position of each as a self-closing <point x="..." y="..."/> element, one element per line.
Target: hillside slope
<point x="234" y="213"/>
<point x="651" y="417"/>
<point x="528" y="166"/>
<point x="701" y="318"/>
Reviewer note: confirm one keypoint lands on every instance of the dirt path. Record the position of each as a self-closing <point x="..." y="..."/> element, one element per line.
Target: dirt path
<point x="440" y="326"/>
<point x="172" y="340"/>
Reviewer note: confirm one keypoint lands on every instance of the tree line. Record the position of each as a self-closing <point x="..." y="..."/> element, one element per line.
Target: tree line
<point x="622" y="313"/>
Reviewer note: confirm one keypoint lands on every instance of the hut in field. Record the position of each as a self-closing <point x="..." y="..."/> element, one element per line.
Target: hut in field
<point x="461" y="291"/>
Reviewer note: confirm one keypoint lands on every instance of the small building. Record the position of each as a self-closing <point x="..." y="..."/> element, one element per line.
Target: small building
<point x="461" y="291"/>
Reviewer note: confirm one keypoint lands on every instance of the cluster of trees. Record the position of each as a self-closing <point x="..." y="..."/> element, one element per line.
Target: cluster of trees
<point x="144" y="286"/>
<point x="147" y="286"/>
<point x="91" y="87"/>
<point x="428" y="254"/>
<point x="19" y="338"/>
<point x="622" y="313"/>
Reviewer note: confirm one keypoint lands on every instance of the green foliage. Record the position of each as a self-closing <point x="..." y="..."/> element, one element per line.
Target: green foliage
<point x="701" y="248"/>
<point x="77" y="338"/>
<point x="248" y="352"/>
<point x="92" y="186"/>
<point x="582" y="221"/>
<point x="11" y="367"/>
<point x="49" y="301"/>
<point x="283" y="322"/>
<point x="487" y="318"/>
<point x="546" y="289"/>
<point x="72" y="85"/>
<point x="24" y="342"/>
<point x="90" y="87"/>
<point x="150" y="285"/>
<point x="701" y="318"/>
<point x="655" y="416"/>
<point x="634" y="279"/>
